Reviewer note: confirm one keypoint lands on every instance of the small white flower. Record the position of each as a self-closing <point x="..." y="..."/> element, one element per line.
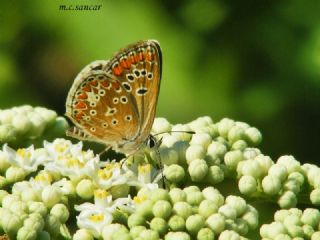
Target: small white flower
<point x="26" y="158"/>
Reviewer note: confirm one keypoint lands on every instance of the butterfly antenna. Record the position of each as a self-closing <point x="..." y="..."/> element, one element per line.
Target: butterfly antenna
<point x="160" y="166"/>
<point x="189" y="132"/>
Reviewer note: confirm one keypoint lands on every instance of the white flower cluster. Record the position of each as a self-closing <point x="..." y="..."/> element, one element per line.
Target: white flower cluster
<point x="293" y="224"/>
<point x="226" y="149"/>
<point x="22" y="125"/>
<point x="186" y="214"/>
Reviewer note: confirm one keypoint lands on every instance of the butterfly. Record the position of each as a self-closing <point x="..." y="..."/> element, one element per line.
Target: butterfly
<point x="114" y="101"/>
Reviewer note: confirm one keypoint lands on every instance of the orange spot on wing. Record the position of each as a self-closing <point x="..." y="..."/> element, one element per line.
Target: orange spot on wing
<point x="149" y="56"/>
<point x="125" y="63"/>
<point x="86" y="88"/>
<point x="116" y="85"/>
<point x="117" y="70"/>
<point x="83" y="96"/>
<point x="94" y="83"/>
<point x="79" y="115"/>
<point x="80" y="105"/>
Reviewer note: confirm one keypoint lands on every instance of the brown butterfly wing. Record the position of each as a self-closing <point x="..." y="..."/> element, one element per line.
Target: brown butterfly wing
<point x="101" y="108"/>
<point x="138" y="68"/>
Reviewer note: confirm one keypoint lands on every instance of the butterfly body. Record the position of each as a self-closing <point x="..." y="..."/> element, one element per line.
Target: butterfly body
<point x="114" y="102"/>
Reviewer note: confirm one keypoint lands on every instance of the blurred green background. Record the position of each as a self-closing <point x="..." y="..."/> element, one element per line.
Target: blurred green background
<point x="253" y="61"/>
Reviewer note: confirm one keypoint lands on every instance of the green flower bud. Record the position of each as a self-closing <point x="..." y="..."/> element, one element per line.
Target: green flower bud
<point x="34" y="223"/>
<point x="215" y="175"/>
<point x="181" y="147"/>
<point x="145" y="209"/>
<point x="57" y="128"/>
<point x="210" y="193"/>
<point x="287" y="200"/>
<point x="292" y="185"/>
<point x="110" y="229"/>
<point x="290" y="163"/>
<point x="121" y="234"/>
<point x="265" y="163"/>
<point x="295" y="231"/>
<point x="236" y="133"/>
<point x="9" y="199"/>
<point x="296" y="212"/>
<point x="177" y="236"/>
<point x="136" y="220"/>
<point x="29" y="195"/>
<point x="216" y="222"/>
<point x="5" y="214"/>
<point x="228" y="211"/>
<point x="37" y="207"/>
<point x="37" y="217"/>
<point x="195" y="152"/>
<point x="182" y="209"/>
<point x="162" y="209"/>
<point x="21" y="123"/>
<point x="52" y="225"/>
<point x="136" y="230"/>
<point x="148" y="234"/>
<point x="315" y="235"/>
<point x="83" y="234"/>
<point x="7" y="133"/>
<point x="216" y="150"/>
<point x="237" y="203"/>
<point x="159" y="225"/>
<point x="311" y="217"/>
<point x="4" y="163"/>
<point x="207" y="208"/>
<point x="169" y="156"/>
<point x="272" y="230"/>
<point x="61" y="212"/>
<point x="198" y="169"/>
<point x="195" y="198"/>
<point x="11" y="224"/>
<point x="307" y="231"/>
<point x="315" y="197"/>
<point x="194" y="223"/>
<point x="38" y="125"/>
<point x="169" y="140"/>
<point x="50" y="196"/>
<point x="15" y="174"/>
<point x="177" y="223"/>
<point x="174" y="173"/>
<point x="241" y="226"/>
<point x="247" y="185"/>
<point x="278" y="171"/>
<point x="281" y="215"/>
<point x="224" y="126"/>
<point x="203" y="139"/>
<point x="3" y="182"/>
<point x="232" y="158"/>
<point x="85" y="189"/>
<point x="18" y="206"/>
<point x="161" y="125"/>
<point x="239" y="145"/>
<point x="205" y="234"/>
<point x="191" y="189"/>
<point x="25" y="233"/>
<point x="159" y="194"/>
<point x="251" y="168"/>
<point x="271" y="185"/>
<point x="251" y="153"/>
<point x="253" y="136"/>
<point x="119" y="191"/>
<point x="48" y="115"/>
<point x="176" y="195"/>
<point x="6" y="116"/>
<point x="44" y="235"/>
<point x="283" y="237"/>
<point x="3" y="194"/>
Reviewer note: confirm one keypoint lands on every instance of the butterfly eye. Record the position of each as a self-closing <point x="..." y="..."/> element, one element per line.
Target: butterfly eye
<point x="151" y="141"/>
<point x="114" y="121"/>
<point x="128" y="118"/>
<point x="93" y="104"/>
